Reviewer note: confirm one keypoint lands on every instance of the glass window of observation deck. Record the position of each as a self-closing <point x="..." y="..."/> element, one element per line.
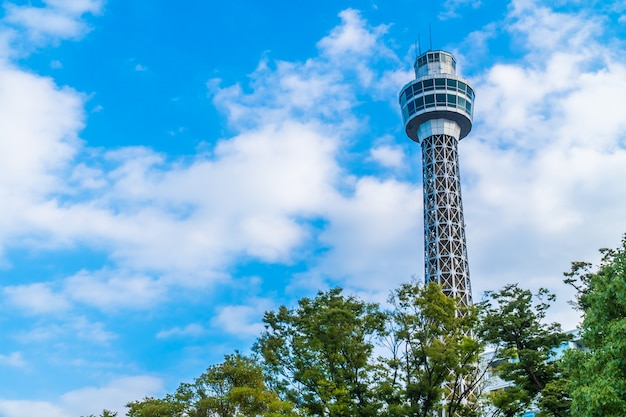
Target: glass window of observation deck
<point x="440" y="83"/>
<point x="451" y="84"/>
<point x="428" y="85"/>
<point x="419" y="103"/>
<point x="408" y="93"/>
<point x="470" y="93"/>
<point x="434" y="57"/>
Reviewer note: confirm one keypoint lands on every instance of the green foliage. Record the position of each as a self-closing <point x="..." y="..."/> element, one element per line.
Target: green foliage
<point x="436" y="357"/>
<point x="555" y="398"/>
<point x="155" y="407"/>
<point x="233" y="388"/>
<point x="319" y="355"/>
<point x="105" y="413"/>
<point x="511" y="322"/>
<point x="598" y="373"/>
<point x="318" y="358"/>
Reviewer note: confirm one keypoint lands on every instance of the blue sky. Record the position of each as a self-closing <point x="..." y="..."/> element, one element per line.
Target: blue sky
<point x="168" y="174"/>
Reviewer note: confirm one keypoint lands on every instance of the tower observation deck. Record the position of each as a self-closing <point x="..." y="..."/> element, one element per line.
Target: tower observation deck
<point x="437" y="112"/>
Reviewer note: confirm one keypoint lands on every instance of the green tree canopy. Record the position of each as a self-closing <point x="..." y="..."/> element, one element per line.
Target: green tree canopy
<point x="435" y="357"/>
<point x="233" y="388"/>
<point x="512" y="321"/>
<point x="105" y="413"/>
<point x="598" y="372"/>
<point x="319" y="354"/>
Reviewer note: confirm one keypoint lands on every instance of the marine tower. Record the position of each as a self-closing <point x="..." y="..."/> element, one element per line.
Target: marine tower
<point x="437" y="113"/>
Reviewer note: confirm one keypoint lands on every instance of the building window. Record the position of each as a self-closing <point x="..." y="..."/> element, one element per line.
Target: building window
<point x="419" y="103"/>
<point x="408" y="93"/>
<point x="418" y="88"/>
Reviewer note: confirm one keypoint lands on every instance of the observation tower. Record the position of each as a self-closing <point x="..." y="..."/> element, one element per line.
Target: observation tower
<point x="437" y="113"/>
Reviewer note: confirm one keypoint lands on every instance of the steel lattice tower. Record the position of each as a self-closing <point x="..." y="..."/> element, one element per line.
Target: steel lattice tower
<point x="437" y="113"/>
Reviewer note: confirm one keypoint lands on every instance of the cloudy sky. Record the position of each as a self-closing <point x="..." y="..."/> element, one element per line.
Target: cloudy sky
<point x="168" y="174"/>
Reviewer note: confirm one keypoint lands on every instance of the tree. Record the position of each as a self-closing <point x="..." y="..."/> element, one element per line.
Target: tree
<point x="155" y="407"/>
<point x="233" y="388"/>
<point x="105" y="413"/>
<point x="319" y="355"/>
<point x="525" y="351"/>
<point x="434" y="365"/>
<point x="598" y="373"/>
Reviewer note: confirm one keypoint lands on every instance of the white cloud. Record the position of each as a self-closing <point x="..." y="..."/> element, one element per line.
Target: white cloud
<point x="36" y="298"/>
<point x="112" y="396"/>
<point x="388" y="156"/>
<point x="352" y="37"/>
<point x="39" y="122"/>
<point x="543" y="30"/>
<point x="242" y="320"/>
<point x="77" y="7"/>
<point x="23" y="408"/>
<point x="323" y="90"/>
<point x="93" y="332"/>
<point x="450" y="8"/>
<point x="534" y="171"/>
<point x="13" y="359"/>
<point x="42" y="122"/>
<point x="258" y="180"/>
<point x="59" y="19"/>
<point x="373" y="235"/>
<point x="250" y="196"/>
<point x="85" y="401"/>
<point x="42" y="22"/>
<point x="544" y="162"/>
<point x="77" y="328"/>
<point x="87" y="178"/>
<point x="190" y="330"/>
<point x="114" y="289"/>
<point x="476" y="43"/>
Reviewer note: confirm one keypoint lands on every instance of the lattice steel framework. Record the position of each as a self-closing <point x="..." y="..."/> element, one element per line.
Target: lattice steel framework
<point x="445" y="252"/>
<point x="437" y="111"/>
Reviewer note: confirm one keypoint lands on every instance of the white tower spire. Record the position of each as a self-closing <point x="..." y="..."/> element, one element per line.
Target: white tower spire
<point x="437" y="112"/>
